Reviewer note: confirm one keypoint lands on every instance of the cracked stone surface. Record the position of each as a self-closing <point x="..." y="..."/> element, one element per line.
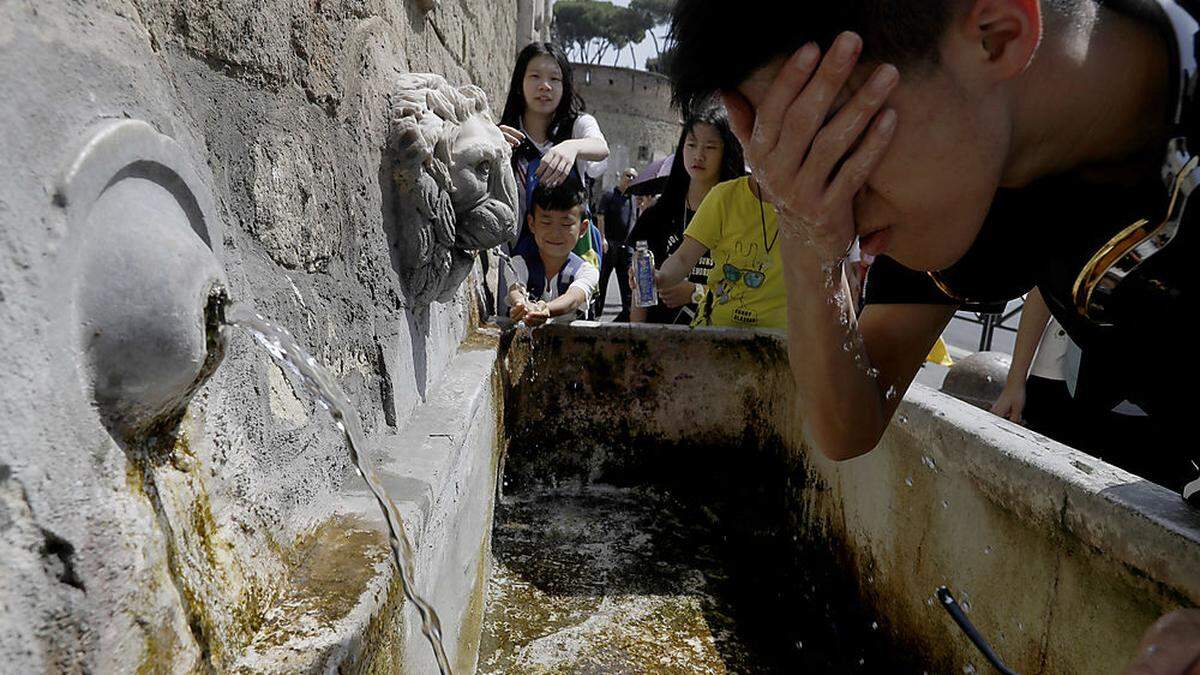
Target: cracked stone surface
<point x="164" y="553"/>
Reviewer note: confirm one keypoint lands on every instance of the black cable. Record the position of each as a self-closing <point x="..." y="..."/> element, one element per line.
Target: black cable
<point x="960" y="618"/>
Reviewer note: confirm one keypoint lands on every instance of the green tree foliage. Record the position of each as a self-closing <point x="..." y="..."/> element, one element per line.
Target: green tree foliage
<point x="656" y="13"/>
<point x="590" y="28"/>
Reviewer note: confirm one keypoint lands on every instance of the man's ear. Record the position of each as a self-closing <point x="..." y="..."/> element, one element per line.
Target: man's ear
<point x="1006" y="32"/>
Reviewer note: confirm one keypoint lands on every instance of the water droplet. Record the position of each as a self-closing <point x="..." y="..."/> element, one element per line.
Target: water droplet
<point x="872" y="373"/>
<point x="861" y="661"/>
<point x="903" y="419"/>
<point x="908" y="481"/>
<point x="1020" y="626"/>
<point x="987" y="550"/>
<point x="929" y="601"/>
<point x="874" y="625"/>
<point x="891" y="392"/>
<point x="928" y="461"/>
<point x="799" y="644"/>
<point x="945" y="504"/>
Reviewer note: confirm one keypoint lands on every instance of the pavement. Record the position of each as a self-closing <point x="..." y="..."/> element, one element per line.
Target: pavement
<point x="961" y="335"/>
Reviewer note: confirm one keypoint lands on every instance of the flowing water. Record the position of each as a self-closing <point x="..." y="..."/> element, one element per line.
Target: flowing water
<point x="324" y="389"/>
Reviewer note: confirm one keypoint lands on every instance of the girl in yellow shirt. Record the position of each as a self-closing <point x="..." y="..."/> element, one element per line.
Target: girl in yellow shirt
<point x="745" y="287"/>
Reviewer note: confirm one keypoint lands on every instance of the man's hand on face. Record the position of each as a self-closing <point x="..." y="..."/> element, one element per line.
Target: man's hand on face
<point x="1170" y="647"/>
<point x="808" y="165"/>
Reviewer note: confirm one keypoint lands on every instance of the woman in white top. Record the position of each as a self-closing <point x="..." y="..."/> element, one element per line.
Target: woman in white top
<point x="543" y="109"/>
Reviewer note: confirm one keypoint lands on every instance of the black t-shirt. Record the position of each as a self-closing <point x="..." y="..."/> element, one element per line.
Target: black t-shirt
<point x="662" y="229"/>
<point x="1043" y="235"/>
<point x="617" y="208"/>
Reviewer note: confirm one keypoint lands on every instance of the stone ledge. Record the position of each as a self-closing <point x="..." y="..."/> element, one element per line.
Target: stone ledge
<point x="440" y="472"/>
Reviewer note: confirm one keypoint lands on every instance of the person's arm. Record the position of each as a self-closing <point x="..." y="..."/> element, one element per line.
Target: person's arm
<point x="1034" y="317"/>
<point x="517" y="302"/>
<point x="600" y="219"/>
<point x="811" y="161"/>
<point x="568" y="302"/>
<point x="676" y="268"/>
<point x="850" y="371"/>
<point x="588" y="143"/>
<point x="1170" y="647"/>
<point x="678" y="295"/>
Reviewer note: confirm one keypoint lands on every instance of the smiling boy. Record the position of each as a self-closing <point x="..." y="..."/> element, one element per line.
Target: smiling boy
<point x="551" y="281"/>
<point x="983" y="147"/>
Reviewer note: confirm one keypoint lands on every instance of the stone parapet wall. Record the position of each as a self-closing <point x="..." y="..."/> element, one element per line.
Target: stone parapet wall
<point x="166" y="554"/>
<point x="635" y="113"/>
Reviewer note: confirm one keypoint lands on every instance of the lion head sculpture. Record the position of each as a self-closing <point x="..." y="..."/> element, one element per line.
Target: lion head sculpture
<point x="455" y="190"/>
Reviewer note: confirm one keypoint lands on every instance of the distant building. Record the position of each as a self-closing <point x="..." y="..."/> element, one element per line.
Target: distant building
<point x="634" y="110"/>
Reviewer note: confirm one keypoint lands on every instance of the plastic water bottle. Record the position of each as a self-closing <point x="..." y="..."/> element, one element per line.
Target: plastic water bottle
<point x="643" y="274"/>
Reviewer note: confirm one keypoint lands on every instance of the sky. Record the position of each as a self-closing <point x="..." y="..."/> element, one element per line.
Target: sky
<point x="643" y="50"/>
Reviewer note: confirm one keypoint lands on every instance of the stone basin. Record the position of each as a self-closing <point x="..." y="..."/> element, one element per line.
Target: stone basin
<point x="620" y="499"/>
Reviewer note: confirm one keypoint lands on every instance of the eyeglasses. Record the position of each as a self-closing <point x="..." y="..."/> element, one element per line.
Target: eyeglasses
<point x="753" y="278"/>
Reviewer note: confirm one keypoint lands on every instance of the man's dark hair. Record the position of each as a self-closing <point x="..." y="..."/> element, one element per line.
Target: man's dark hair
<point x="718" y="43"/>
<point x="562" y="197"/>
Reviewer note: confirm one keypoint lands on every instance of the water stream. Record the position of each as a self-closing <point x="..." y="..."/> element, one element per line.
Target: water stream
<point x="324" y="389"/>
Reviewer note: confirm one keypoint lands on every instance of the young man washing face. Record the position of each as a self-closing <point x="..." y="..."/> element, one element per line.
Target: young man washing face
<point x="983" y="147"/>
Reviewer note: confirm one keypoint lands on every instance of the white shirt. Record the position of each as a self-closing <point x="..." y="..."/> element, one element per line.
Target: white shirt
<point x="1050" y="360"/>
<point x="587" y="279"/>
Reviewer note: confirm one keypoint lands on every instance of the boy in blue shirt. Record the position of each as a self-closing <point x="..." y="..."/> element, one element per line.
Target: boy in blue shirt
<point x="550" y="280"/>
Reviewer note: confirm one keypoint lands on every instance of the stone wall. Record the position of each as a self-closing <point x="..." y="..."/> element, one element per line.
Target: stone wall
<point x="634" y="110"/>
<point x="167" y="554"/>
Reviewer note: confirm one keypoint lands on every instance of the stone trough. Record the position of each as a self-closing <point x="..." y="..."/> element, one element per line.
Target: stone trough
<point x="658" y="511"/>
<point x="587" y="498"/>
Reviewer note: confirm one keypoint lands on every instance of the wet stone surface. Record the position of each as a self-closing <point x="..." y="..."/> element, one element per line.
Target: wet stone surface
<point x="610" y="580"/>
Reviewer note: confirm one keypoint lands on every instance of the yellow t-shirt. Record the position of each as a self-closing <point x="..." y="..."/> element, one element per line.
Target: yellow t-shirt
<point x="745" y="288"/>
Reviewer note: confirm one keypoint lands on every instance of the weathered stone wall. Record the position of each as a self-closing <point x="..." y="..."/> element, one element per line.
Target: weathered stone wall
<point x="167" y="555"/>
<point x="635" y="113"/>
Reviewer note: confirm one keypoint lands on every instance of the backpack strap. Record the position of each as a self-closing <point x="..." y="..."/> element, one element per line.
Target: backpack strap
<point x="567" y="276"/>
<point x="535" y="286"/>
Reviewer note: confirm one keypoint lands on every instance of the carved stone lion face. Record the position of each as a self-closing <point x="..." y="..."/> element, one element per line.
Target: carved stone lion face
<point x="455" y="190"/>
<point x="485" y="190"/>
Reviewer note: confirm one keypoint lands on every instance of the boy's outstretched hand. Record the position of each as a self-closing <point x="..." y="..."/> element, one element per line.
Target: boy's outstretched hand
<point x="811" y="167"/>
<point x="532" y="312"/>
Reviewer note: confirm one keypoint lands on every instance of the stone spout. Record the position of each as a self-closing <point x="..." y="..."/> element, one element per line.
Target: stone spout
<point x="455" y="192"/>
<point x="148" y="289"/>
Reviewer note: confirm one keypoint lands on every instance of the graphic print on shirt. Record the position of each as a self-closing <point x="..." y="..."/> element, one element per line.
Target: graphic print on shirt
<point x="741" y="274"/>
